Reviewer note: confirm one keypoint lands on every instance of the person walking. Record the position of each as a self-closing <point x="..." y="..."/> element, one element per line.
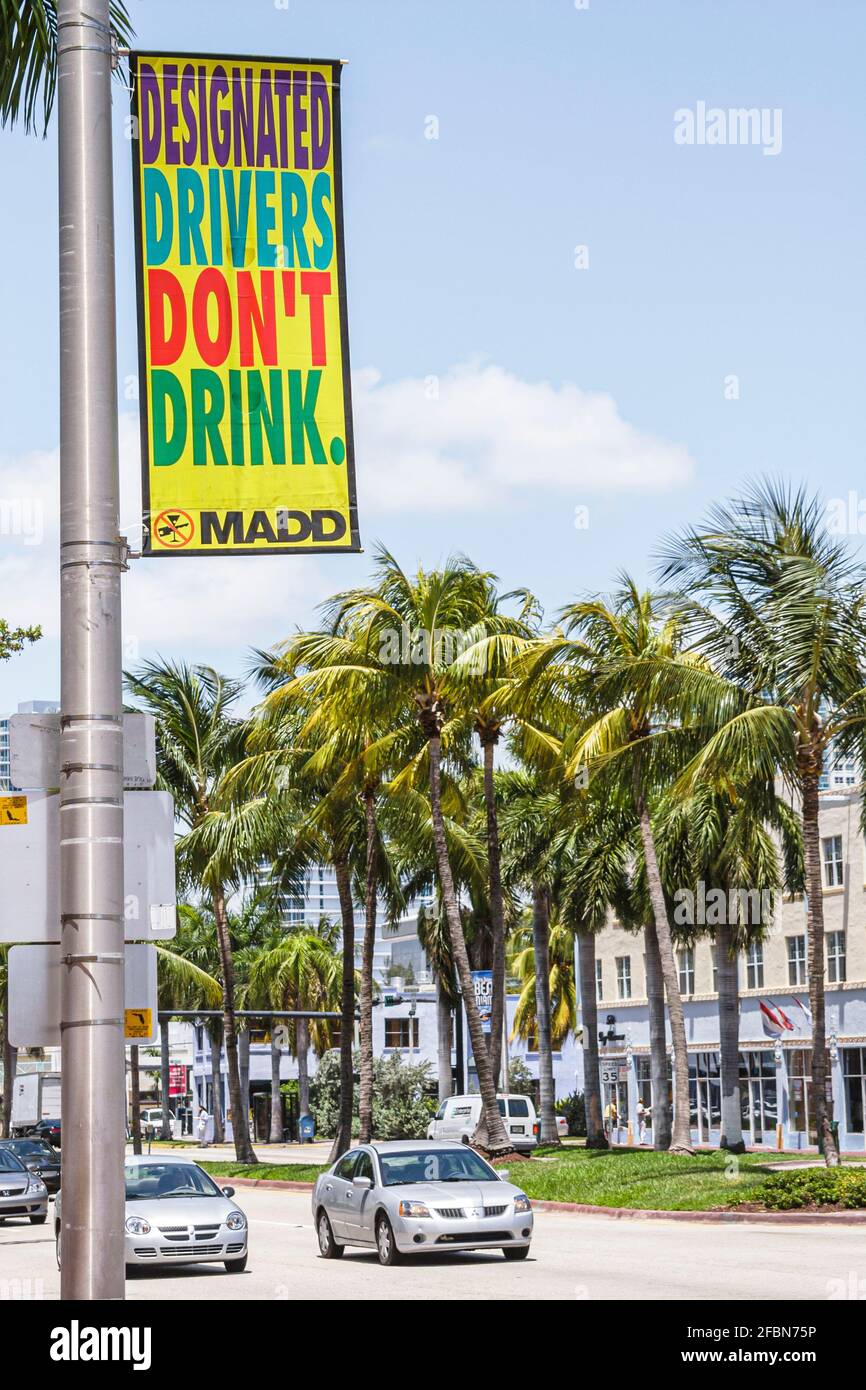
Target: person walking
<point x="610" y="1118"/>
<point x="203" y="1118"/>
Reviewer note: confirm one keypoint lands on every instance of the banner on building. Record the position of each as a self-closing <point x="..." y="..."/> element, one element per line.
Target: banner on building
<point x="244" y="391"/>
<point x="177" y="1079"/>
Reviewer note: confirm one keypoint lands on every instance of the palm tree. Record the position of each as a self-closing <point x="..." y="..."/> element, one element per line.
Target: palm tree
<point x="300" y="972"/>
<point x="391" y="649"/>
<point x="775" y="604"/>
<point x="597" y="661"/>
<point x="28" y="57"/>
<point x="181" y="984"/>
<point x="199" y="742"/>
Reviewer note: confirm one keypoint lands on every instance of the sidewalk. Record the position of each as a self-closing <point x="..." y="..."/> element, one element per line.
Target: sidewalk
<point x="317" y="1152"/>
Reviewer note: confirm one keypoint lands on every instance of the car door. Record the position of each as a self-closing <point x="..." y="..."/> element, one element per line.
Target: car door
<point x="520" y="1117"/>
<point x="360" y="1202"/>
<point x="335" y="1185"/>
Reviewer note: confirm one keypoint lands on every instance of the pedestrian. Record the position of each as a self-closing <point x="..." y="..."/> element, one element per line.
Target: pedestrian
<point x="610" y="1118"/>
<point x="203" y="1118"/>
<point x="642" y="1116"/>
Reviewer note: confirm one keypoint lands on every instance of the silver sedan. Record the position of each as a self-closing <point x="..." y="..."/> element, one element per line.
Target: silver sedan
<point x="21" y="1193"/>
<point x="176" y="1214"/>
<point x="417" y="1197"/>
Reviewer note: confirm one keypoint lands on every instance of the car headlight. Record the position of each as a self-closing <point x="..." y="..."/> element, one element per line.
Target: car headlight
<point x="137" y="1226"/>
<point x="522" y="1203"/>
<point x="236" y="1221"/>
<point x="35" y="1185"/>
<point x="414" y="1209"/>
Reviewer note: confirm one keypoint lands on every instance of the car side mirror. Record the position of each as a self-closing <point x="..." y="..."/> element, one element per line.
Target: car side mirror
<point x="228" y="1192"/>
<point x="363" y="1183"/>
<point x="503" y="1175"/>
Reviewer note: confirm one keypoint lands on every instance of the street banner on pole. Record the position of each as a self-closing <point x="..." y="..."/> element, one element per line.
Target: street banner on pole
<point x="245" y="398"/>
<point x="482" y="983"/>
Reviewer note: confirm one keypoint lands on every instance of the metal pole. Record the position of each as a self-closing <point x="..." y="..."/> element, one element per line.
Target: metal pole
<point x="91" y="749"/>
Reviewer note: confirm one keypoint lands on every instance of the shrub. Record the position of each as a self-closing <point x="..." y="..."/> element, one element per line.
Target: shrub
<point x="573" y="1107"/>
<point x="521" y="1082"/>
<point x="402" y="1103"/>
<point x="815" y="1187"/>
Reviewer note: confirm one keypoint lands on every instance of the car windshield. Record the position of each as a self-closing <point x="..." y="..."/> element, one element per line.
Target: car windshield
<point x="9" y="1163"/>
<point x="434" y="1165"/>
<point x="29" y="1147"/>
<point x="166" y="1179"/>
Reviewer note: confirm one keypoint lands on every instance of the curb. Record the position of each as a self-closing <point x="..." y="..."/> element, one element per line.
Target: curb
<point x="753" y="1218"/>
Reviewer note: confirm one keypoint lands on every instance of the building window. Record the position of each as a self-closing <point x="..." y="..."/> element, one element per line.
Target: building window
<point x="686" y="959"/>
<point x="796" y="960"/>
<point x="836" y="969"/>
<point x="401" y="1033"/>
<point x="755" y="965"/>
<point x="599" y="980"/>
<point x="623" y="977"/>
<point x="854" y="1074"/>
<point x="799" y="1076"/>
<point x="705" y="1096"/>
<point x="833" y="863"/>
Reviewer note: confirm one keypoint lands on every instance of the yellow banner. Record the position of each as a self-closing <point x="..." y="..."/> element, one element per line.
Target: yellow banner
<point x="245" y="398"/>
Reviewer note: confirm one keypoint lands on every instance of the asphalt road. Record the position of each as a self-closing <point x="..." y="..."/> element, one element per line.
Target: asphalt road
<point x="573" y="1258"/>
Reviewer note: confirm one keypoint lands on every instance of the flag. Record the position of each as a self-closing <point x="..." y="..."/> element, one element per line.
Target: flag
<point x="806" y="1020"/>
<point x="774" y="1019"/>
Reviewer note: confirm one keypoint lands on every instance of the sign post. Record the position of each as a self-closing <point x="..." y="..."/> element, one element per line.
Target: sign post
<point x="91" y="775"/>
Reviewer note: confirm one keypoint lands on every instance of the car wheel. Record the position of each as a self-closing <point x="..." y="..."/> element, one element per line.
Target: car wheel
<point x="386" y="1246"/>
<point x="515" y="1252"/>
<point x="39" y="1220"/>
<point x="236" y="1266"/>
<point x="328" y="1247"/>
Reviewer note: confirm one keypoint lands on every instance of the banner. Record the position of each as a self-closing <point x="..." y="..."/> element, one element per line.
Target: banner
<point x="245" y="399"/>
<point x="482" y="985"/>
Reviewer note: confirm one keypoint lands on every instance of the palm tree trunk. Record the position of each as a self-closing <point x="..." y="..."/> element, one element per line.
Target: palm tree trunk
<point x="443" y="1041"/>
<point x="302" y="1043"/>
<point x="821" y="1108"/>
<point x="240" y="1128"/>
<point x="135" y="1088"/>
<point x="244" y="1073"/>
<point x="165" y="1077"/>
<point x="681" y="1139"/>
<point x="729" y="1042"/>
<point x="548" y="1133"/>
<point x="343" y="1137"/>
<point x="216" y="1083"/>
<point x="595" y="1135"/>
<point x="490" y="1134"/>
<point x="655" y="989"/>
<point x="276" y="1134"/>
<point x="365" y="1087"/>
<point x="10" y="1066"/>
<point x="497" y="909"/>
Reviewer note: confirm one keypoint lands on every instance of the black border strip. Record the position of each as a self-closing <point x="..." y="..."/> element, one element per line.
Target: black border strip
<point x="336" y="66"/>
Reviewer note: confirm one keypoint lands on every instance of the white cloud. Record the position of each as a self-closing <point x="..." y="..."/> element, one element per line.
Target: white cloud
<point x="479" y="437"/>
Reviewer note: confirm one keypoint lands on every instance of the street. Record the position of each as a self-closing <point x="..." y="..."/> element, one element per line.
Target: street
<point x="573" y="1257"/>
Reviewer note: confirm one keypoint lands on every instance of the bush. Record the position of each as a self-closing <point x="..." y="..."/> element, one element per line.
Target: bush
<point x="573" y="1107"/>
<point x="521" y="1082"/>
<point x="402" y="1103"/>
<point x="815" y="1187"/>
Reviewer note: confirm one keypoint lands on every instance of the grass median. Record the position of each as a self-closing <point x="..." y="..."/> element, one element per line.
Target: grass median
<point x="637" y="1178"/>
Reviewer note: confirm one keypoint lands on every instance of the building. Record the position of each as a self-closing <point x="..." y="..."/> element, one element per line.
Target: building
<point x="775" y="1025"/>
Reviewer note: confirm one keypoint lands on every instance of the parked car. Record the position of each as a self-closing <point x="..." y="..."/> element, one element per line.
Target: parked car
<point x="154" y="1117"/>
<point x="176" y="1214"/>
<point x="38" y="1157"/>
<point x="411" y="1197"/>
<point x="458" y="1116"/>
<point x="21" y="1193"/>
<point x="49" y="1130"/>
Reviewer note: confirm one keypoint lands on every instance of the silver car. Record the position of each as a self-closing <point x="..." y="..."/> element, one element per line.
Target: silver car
<point x="21" y="1193"/>
<point x="416" y="1196"/>
<point x="176" y="1214"/>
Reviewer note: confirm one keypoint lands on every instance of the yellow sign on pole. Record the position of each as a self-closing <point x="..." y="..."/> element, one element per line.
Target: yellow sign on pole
<point x="138" y="1023"/>
<point x="13" y="810"/>
<point x="245" y="396"/>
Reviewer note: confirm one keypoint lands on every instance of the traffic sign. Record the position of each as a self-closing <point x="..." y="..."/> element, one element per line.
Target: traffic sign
<point x="35" y="975"/>
<point x="34" y="750"/>
<point x="13" y="810"/>
<point x="29" y="870"/>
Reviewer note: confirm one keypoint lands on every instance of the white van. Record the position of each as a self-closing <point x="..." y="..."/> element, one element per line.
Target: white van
<point x="458" y="1116"/>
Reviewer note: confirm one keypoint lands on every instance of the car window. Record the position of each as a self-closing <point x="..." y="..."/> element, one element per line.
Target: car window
<point x="501" y="1104"/>
<point x="434" y="1165"/>
<point x="364" y="1167"/>
<point x="10" y="1163"/>
<point x="440" y="1113"/>
<point x="346" y="1167"/>
<point x="167" y="1179"/>
<point x="518" y="1107"/>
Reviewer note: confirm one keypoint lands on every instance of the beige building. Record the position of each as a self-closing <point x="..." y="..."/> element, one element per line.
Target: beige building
<point x="775" y="1025"/>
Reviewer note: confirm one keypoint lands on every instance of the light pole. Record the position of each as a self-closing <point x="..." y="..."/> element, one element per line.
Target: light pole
<point x="91" y="757"/>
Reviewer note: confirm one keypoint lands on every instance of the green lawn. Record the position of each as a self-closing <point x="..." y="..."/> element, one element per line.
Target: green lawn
<point x="641" y="1178"/>
<point x="621" y="1178"/>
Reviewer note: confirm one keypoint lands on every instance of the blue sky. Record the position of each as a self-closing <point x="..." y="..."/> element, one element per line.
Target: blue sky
<point x="557" y="387"/>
